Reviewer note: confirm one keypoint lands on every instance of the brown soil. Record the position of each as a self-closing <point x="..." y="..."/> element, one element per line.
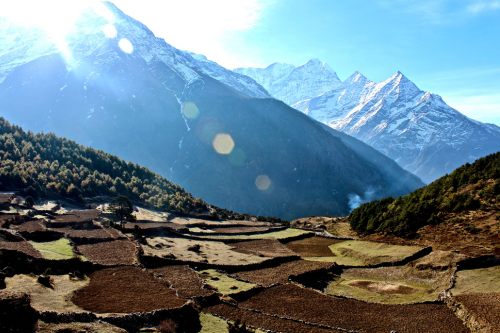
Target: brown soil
<point x="192" y="222"/>
<point x="263" y="321"/>
<point x="239" y="230"/>
<point x="472" y="234"/>
<point x="280" y="274"/>
<point x="125" y="290"/>
<point x="263" y="247"/>
<point x="313" y="246"/>
<point x="116" y="252"/>
<point x="382" y="287"/>
<point x="77" y="216"/>
<point x="484" y="307"/>
<point x="30" y="226"/>
<point x="183" y="279"/>
<point x="21" y="246"/>
<point x="92" y="233"/>
<point x="151" y="225"/>
<point x="311" y="306"/>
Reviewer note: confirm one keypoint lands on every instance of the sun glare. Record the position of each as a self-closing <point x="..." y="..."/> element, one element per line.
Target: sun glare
<point x="55" y="18"/>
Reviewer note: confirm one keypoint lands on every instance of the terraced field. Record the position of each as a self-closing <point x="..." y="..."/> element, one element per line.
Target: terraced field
<point x="125" y="290"/>
<point x="284" y="235"/>
<point x="351" y="252"/>
<point x="185" y="280"/>
<point x="282" y="273"/>
<point x="304" y="305"/>
<point x="195" y="275"/>
<point x="473" y="281"/>
<point x="19" y="246"/>
<point x="45" y="299"/>
<point x="60" y="249"/>
<point x="422" y="280"/>
<point x="110" y="253"/>
<point x="223" y="283"/>
<point x="201" y="251"/>
<point x="95" y="327"/>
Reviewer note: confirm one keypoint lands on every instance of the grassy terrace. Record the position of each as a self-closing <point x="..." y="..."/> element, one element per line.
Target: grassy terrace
<point x="57" y="298"/>
<point x="362" y="253"/>
<point x="60" y="249"/>
<point x="421" y="280"/>
<point x="197" y="251"/>
<point x="214" y="324"/>
<point x="394" y="291"/>
<point x="224" y="284"/>
<point x="482" y="280"/>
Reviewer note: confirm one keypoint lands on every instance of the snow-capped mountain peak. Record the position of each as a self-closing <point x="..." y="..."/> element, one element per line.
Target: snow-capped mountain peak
<point x="415" y="128"/>
<point x="279" y="69"/>
<point x="356" y="78"/>
<point x="399" y="79"/>
<point x="318" y="65"/>
<point x="293" y="84"/>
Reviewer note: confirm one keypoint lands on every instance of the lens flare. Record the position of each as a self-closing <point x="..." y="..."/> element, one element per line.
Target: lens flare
<point x="190" y="110"/>
<point x="223" y="144"/>
<point x="263" y="182"/>
<point x="126" y="46"/>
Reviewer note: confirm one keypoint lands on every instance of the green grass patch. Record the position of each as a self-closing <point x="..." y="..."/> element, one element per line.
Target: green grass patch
<point x="212" y="324"/>
<point x="482" y="280"/>
<point x="383" y="291"/>
<point x="362" y="253"/>
<point x="224" y="284"/>
<point x="60" y="249"/>
<point x="200" y="230"/>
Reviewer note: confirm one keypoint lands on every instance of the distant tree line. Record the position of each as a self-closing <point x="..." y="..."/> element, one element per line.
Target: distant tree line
<point x="46" y="166"/>
<point x="470" y="187"/>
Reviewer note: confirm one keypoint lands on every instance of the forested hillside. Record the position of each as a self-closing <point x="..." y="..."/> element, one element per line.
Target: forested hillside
<point x="44" y="165"/>
<point x="473" y="186"/>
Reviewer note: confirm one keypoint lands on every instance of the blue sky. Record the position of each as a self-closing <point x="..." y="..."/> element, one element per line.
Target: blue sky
<point x="449" y="47"/>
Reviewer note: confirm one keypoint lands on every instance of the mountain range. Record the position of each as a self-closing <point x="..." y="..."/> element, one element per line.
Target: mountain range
<point x="415" y="128"/>
<point x="219" y="134"/>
